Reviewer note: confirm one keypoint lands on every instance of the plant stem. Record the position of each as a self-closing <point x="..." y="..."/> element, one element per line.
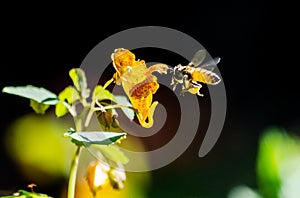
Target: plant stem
<point x="73" y="173"/>
<point x="114" y="106"/>
<point x="108" y="83"/>
<point x="89" y="116"/>
<point x="75" y="160"/>
<point x="79" y="127"/>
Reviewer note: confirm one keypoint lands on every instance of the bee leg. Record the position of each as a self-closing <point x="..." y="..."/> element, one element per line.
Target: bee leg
<point x="174" y="86"/>
<point x="183" y="91"/>
<point x="199" y="94"/>
<point x="185" y="81"/>
<point x="186" y="89"/>
<point x="197" y="87"/>
<point x="174" y="83"/>
<point x="185" y="85"/>
<point x="193" y="87"/>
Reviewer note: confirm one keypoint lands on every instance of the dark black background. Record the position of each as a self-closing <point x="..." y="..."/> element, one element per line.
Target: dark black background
<point x="255" y="40"/>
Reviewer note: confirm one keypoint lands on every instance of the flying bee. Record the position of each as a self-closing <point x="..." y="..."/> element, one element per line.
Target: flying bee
<point x="196" y="72"/>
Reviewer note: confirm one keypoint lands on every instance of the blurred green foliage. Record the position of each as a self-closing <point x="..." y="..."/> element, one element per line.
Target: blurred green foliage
<point x="278" y="167"/>
<point x="37" y="145"/>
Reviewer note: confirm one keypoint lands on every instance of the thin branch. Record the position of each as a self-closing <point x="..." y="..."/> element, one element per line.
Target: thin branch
<point x="92" y="109"/>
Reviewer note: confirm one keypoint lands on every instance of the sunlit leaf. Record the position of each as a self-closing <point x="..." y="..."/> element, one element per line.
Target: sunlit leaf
<point x="26" y="194"/>
<point x="60" y="109"/>
<point x="79" y="79"/>
<point x="122" y="100"/>
<point x="67" y="96"/>
<point x="32" y="194"/>
<point x="103" y="94"/>
<point x="70" y="94"/>
<point x="39" y="94"/>
<point x="95" y="137"/>
<point x="112" y="152"/>
<point x="50" y="101"/>
<point x="39" y="107"/>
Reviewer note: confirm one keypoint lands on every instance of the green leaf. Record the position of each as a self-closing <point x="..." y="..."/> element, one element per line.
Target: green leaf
<point x="31" y="194"/>
<point x="79" y="79"/>
<point x="39" y="107"/>
<point x="70" y="94"/>
<point x="39" y="94"/>
<point x="102" y="94"/>
<point x="26" y="194"/>
<point x="94" y="137"/>
<point x="267" y="164"/>
<point x="112" y="152"/>
<point x="278" y="163"/>
<point x="122" y="100"/>
<point x="50" y="101"/>
<point x="60" y="109"/>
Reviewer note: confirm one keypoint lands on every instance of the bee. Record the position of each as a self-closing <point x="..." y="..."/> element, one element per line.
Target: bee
<point x="196" y="72"/>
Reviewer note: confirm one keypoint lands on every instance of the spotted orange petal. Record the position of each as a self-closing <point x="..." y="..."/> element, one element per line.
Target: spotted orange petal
<point x="138" y="83"/>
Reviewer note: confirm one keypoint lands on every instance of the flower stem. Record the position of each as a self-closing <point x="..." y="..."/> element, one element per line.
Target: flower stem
<point x="75" y="160"/>
<point x="89" y="116"/>
<point x="73" y="173"/>
<point x="78" y="124"/>
<point x="113" y="107"/>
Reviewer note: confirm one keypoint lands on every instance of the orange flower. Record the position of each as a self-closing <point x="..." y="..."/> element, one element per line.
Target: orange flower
<point x="138" y="83"/>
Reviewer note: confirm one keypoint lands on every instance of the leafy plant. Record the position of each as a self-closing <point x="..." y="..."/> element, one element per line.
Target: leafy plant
<point x="75" y="101"/>
<point x="139" y="84"/>
<point x="25" y="194"/>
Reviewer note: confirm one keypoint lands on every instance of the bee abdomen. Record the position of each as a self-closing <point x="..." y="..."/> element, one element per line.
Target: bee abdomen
<point x="206" y="76"/>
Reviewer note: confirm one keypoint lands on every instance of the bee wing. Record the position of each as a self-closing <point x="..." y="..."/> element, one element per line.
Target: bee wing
<point x="211" y="64"/>
<point x="216" y="60"/>
<point x="198" y="57"/>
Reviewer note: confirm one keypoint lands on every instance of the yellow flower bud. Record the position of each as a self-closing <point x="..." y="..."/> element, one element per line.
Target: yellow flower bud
<point x="97" y="176"/>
